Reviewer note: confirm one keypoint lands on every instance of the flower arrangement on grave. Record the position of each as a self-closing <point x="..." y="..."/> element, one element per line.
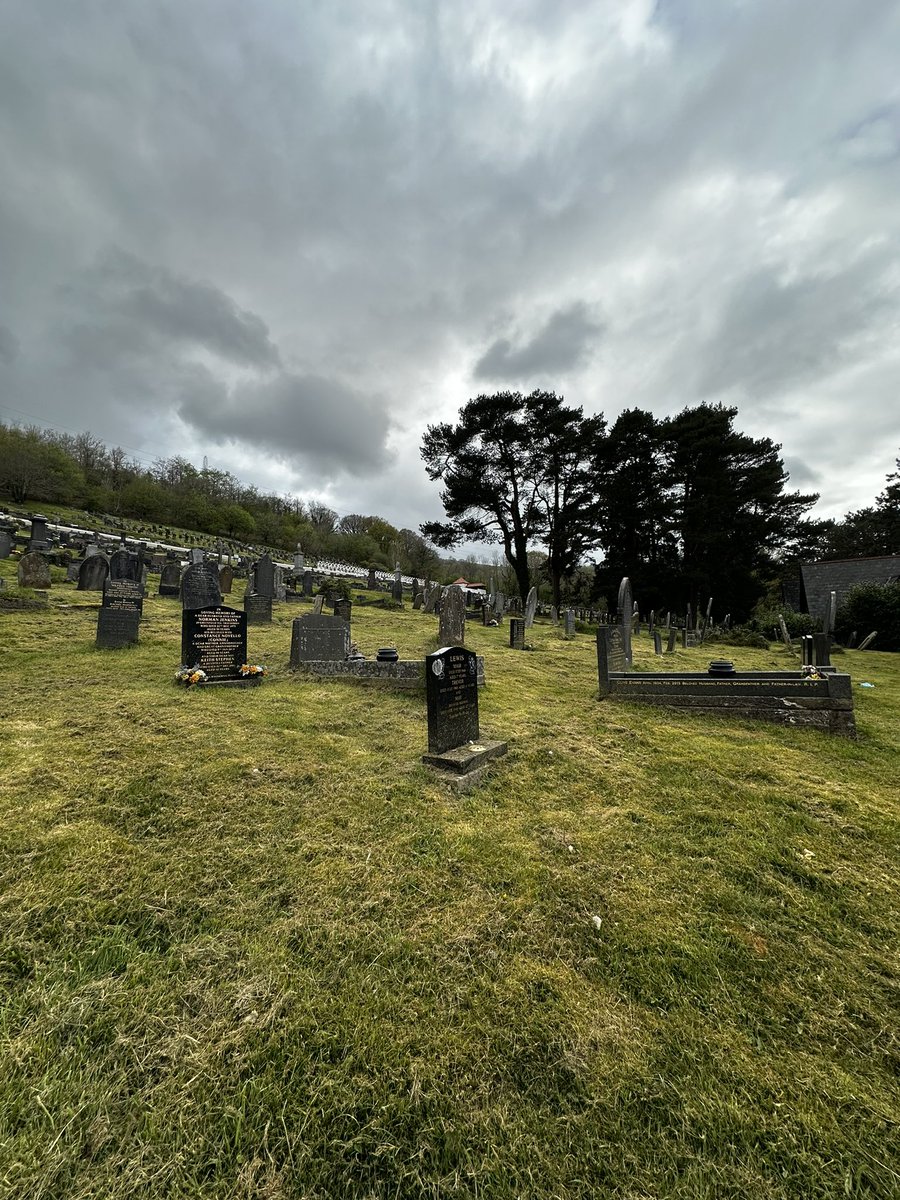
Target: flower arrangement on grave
<point x="188" y="676"/>
<point x="253" y="670"/>
<point x="811" y="672"/>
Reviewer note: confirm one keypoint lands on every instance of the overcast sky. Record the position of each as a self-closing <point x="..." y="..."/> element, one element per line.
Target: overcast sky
<point x="288" y="235"/>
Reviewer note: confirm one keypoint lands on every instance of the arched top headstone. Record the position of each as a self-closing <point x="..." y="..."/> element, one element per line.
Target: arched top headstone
<point x="93" y="573"/>
<point x="530" y="608"/>
<point x="200" y="586"/>
<point x="33" y="570"/>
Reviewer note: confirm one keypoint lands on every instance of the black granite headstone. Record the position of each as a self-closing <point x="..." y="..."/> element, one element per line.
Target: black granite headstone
<point x="116" y="627"/>
<point x="6" y="544"/>
<point x="343" y="608"/>
<point x="611" y="654"/>
<point x="214" y="639"/>
<point x="451" y="687"/>
<point x="123" y="595"/>
<point x="307" y="583"/>
<point x="124" y="565"/>
<point x="317" y="637"/>
<point x="200" y="587"/>
<point x="265" y="577"/>
<point x="517" y="633"/>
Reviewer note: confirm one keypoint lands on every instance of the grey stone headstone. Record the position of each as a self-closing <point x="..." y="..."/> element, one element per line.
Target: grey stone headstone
<point x="317" y="637"/>
<point x="280" y="584"/>
<point x="625" y="614"/>
<point x="418" y="600"/>
<point x="307" y="583"/>
<point x="265" y="577"/>
<point x="93" y="573"/>
<point x="124" y="565"/>
<point x="451" y="687"/>
<point x="317" y="605"/>
<point x="499" y="604"/>
<point x="830" y="614"/>
<point x="258" y="609"/>
<point x="611" y="654"/>
<point x="226" y="580"/>
<point x="397" y="588"/>
<point x="432" y="598"/>
<point x="196" y="555"/>
<point x="299" y="561"/>
<point x="554" y="615"/>
<point x="33" y="570"/>
<point x="530" y="608"/>
<point x="123" y="595"/>
<point x="453" y="617"/>
<point x="343" y="608"/>
<point x="657" y="642"/>
<point x="786" y="637"/>
<point x="822" y="649"/>
<point x="673" y="637"/>
<point x="570" y="622"/>
<point x="39" y="535"/>
<point x="517" y="633"/>
<point x="200" y="587"/>
<point x="91" y="549"/>
<point x="868" y="640"/>
<point x="170" y="578"/>
<point x="6" y="544"/>
<point x="371" y="581"/>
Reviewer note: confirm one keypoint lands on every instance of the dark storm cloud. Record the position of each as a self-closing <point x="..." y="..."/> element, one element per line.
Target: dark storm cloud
<point x="566" y="341"/>
<point x="321" y="422"/>
<point x="216" y="209"/>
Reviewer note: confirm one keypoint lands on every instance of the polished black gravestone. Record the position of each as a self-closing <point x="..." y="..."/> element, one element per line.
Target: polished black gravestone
<point x="317" y="637"/>
<point x="200" y="587"/>
<point x="258" y="609"/>
<point x="265" y="577"/>
<point x="123" y="595"/>
<point x="343" y="608"/>
<point x="120" y="614"/>
<point x="124" y="565"/>
<point x="517" y="633"/>
<point x="215" y="640"/>
<point x="451" y="691"/>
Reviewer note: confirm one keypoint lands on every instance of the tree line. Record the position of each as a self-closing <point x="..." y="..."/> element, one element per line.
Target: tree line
<point x="687" y="506"/>
<point x="80" y="471"/>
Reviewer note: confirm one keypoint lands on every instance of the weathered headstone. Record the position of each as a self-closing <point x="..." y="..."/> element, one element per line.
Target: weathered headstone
<point x="487" y="614"/>
<point x="317" y="605"/>
<point x="418" y="601"/>
<point x="6" y="544"/>
<point x="265" y="577"/>
<point x="215" y="640"/>
<point x="554" y="615"/>
<point x="343" y="608"/>
<point x="625" y="613"/>
<point x="196" y="555"/>
<point x="786" y="637"/>
<point x="517" y="633"/>
<point x="39" y="536"/>
<point x="570" y="622"/>
<point x="371" y="581"/>
<point x="397" y="587"/>
<point x="124" y="565"/>
<point x="453" y="617"/>
<point x="33" y="570"/>
<point x="868" y="640"/>
<point x="432" y="598"/>
<point x="299" y="561"/>
<point x="317" y="637"/>
<point x="499" y="604"/>
<point x="612" y="653"/>
<point x="451" y="685"/>
<point x="822" y="649"/>
<point x="170" y="578"/>
<point x="72" y="572"/>
<point x="657" y="642"/>
<point x="673" y="637"/>
<point x="831" y="614"/>
<point x="226" y="579"/>
<point x="93" y="573"/>
<point x="200" y="587"/>
<point x="258" y="609"/>
<point x="307" y="583"/>
<point x="530" y="608"/>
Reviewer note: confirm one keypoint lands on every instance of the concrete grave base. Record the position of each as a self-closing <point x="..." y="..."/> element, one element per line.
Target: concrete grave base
<point x="251" y="681"/>
<point x="466" y="762"/>
<point x="407" y="674"/>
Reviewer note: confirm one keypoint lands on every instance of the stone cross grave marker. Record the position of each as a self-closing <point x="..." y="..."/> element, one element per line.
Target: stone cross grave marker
<point x="215" y="640"/>
<point x="517" y="633"/>
<point x="453" y="617"/>
<point x="200" y="587"/>
<point x="33" y="570"/>
<point x="451" y="686"/>
<point x="317" y="637"/>
<point x="530" y="608"/>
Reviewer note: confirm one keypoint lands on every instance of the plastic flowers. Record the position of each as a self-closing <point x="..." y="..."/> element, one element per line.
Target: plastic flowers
<point x="190" y="675"/>
<point x="248" y="670"/>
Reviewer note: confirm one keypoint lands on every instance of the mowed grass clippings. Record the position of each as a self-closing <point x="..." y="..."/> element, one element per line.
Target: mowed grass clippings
<point x="250" y="946"/>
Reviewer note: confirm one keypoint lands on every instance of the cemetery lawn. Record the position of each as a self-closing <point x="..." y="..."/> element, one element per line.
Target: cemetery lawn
<point x="251" y="947"/>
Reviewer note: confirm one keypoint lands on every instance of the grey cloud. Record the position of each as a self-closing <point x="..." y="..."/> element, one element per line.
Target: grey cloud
<point x="320" y="421"/>
<point x="801" y="473"/>
<point x="565" y="342"/>
<point x="9" y="345"/>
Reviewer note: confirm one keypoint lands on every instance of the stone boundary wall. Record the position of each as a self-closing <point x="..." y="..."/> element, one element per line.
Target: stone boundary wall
<point x="407" y="674"/>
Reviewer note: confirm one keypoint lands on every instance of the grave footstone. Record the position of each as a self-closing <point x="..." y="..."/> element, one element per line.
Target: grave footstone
<point x="453" y="617"/>
<point x="317" y="637"/>
<point x="517" y="633"/>
<point x="33" y="570"/>
<point x="451" y="684"/>
<point x="200" y="587"/>
<point x="215" y="640"/>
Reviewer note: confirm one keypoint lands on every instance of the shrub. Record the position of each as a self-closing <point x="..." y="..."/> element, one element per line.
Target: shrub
<point x="868" y="607"/>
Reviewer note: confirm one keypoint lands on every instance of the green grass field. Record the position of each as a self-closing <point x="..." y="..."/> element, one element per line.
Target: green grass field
<point x="251" y="947"/>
